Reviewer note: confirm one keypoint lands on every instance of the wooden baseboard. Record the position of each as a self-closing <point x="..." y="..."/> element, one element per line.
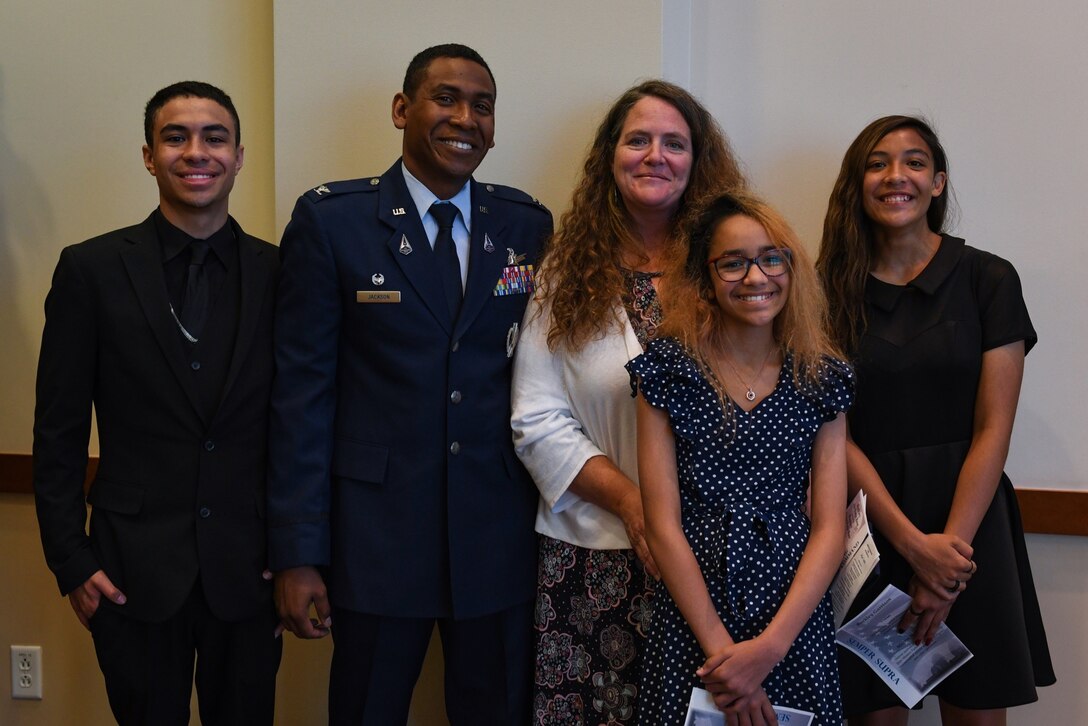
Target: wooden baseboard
<point x="17" y="473"/>
<point x="1054" y="511"/>
<point x="1045" y="511"/>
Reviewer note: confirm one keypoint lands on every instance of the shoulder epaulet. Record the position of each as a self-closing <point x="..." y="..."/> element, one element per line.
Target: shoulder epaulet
<point x="350" y="186"/>
<point x="511" y="194"/>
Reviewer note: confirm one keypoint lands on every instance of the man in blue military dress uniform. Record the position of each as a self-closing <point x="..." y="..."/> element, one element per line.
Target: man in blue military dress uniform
<point x="393" y="479"/>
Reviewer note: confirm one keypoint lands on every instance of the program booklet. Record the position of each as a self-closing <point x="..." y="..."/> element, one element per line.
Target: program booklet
<point x="703" y="712"/>
<point x="910" y="670"/>
<point x="858" y="561"/>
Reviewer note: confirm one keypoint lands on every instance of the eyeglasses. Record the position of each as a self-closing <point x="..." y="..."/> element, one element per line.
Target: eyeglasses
<point x="734" y="268"/>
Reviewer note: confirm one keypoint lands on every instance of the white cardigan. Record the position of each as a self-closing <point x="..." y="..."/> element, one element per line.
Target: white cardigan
<point x="567" y="408"/>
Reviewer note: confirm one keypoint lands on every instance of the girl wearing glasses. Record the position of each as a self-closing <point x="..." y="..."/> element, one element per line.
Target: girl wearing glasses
<point x="741" y="406"/>
<point x="939" y="331"/>
<point x="655" y="154"/>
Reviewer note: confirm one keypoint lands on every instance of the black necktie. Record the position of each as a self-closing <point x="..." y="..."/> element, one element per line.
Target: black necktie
<point x="194" y="308"/>
<point x="446" y="252"/>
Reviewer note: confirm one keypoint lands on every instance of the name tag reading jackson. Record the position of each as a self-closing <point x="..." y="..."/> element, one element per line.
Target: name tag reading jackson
<point x="377" y="296"/>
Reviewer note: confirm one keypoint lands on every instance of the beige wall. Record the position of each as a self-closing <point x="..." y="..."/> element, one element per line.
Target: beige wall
<point x="73" y="81"/>
<point x="74" y="77"/>
<point x="557" y="67"/>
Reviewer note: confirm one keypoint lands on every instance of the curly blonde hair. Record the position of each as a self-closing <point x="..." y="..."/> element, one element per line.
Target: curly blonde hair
<point x="693" y="317"/>
<point x="580" y="277"/>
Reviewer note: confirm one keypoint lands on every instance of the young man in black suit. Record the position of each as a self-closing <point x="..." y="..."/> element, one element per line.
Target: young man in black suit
<point x="393" y="477"/>
<point x="165" y="328"/>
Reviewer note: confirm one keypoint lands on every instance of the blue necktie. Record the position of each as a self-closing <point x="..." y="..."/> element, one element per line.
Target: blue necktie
<point x="446" y="253"/>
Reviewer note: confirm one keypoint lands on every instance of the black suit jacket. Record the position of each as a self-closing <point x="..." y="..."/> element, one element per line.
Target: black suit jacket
<point x="392" y="456"/>
<point x="178" y="490"/>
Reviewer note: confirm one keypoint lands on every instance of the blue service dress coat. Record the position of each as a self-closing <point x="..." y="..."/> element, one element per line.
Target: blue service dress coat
<point x="180" y="484"/>
<point x="391" y="459"/>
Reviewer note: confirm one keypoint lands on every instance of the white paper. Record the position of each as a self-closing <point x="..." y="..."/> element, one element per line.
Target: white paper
<point x="910" y="670"/>
<point x="858" y="560"/>
<point x="703" y="712"/>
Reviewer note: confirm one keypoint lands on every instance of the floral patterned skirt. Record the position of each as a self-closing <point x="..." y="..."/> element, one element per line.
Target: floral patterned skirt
<point x="592" y="611"/>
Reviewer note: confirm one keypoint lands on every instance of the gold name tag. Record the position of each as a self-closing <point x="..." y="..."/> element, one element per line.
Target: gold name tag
<point x="377" y="296"/>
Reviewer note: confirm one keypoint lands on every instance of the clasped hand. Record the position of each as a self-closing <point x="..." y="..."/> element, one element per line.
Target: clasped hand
<point x="734" y="678"/>
<point x="942" y="562"/>
<point x="926" y="612"/>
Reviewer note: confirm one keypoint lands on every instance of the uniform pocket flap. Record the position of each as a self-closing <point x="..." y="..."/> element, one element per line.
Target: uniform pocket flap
<point x="356" y="460"/>
<point x="114" y="497"/>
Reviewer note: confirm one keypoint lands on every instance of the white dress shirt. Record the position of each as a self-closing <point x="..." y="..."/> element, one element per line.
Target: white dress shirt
<point x="462" y="225"/>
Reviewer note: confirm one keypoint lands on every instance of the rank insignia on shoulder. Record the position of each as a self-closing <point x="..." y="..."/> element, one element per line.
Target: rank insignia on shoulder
<point x="375" y="181"/>
<point x="323" y="190"/>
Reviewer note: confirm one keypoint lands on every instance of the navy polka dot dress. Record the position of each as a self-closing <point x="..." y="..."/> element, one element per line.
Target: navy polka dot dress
<point x="742" y="495"/>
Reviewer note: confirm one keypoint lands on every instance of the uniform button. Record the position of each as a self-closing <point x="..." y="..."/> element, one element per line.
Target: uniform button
<point x="205" y="512"/>
<point x="209" y="446"/>
<point x="455" y="346"/>
<point x="195" y="365"/>
<point x="455" y="397"/>
<point x="455" y="448"/>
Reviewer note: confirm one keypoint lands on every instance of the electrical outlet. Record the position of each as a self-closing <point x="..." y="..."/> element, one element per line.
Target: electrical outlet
<point x="26" y="671"/>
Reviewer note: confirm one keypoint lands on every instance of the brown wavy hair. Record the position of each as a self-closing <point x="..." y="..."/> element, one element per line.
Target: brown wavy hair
<point x="580" y="278"/>
<point x="692" y="314"/>
<point x="846" y="249"/>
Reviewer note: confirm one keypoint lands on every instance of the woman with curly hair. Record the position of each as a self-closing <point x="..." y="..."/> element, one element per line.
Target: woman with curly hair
<point x="938" y="331"/>
<point x="655" y="155"/>
<point x="740" y="420"/>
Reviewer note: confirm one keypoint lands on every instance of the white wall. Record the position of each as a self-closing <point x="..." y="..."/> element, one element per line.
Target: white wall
<point x="794" y="83"/>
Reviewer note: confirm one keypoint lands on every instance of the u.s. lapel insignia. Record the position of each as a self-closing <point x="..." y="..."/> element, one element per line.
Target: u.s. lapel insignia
<point x="405" y="248"/>
<point x="378" y="279"/>
<point x="323" y="190"/>
<point x="483" y="209"/>
<point x="398" y="211"/>
<point x="488" y="244"/>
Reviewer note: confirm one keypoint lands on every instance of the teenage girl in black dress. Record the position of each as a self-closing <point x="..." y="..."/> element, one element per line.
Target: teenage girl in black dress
<point x="938" y="331"/>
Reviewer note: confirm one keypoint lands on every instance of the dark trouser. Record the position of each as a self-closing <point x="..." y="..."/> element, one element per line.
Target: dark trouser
<point x="376" y="661"/>
<point x="148" y="667"/>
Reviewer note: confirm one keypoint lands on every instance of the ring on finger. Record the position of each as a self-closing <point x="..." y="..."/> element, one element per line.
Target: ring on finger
<point x="974" y="567"/>
<point x="955" y="587"/>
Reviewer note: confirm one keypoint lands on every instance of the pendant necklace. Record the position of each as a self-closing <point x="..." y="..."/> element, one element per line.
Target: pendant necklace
<point x="750" y="394"/>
